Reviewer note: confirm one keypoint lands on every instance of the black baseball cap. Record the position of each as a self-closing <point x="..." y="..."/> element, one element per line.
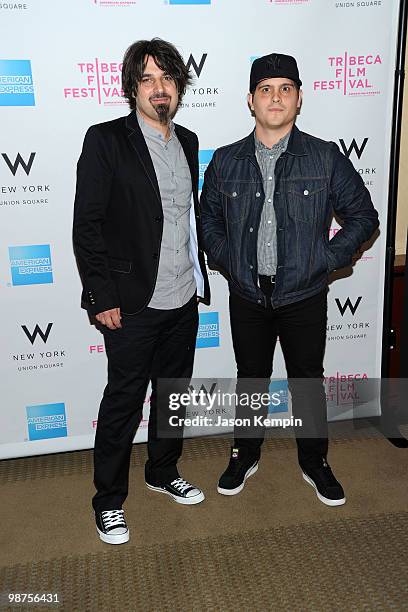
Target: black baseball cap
<point x="271" y="66"/>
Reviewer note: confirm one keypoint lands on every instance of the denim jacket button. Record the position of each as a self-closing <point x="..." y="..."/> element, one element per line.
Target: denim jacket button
<point x="251" y="267"/>
<point x="306" y="192"/>
<point x="257" y="194"/>
<point x="234" y="194"/>
<point x="251" y="229"/>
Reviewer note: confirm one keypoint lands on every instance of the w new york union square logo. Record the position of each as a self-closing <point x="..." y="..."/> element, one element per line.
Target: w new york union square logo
<point x="16" y="83"/>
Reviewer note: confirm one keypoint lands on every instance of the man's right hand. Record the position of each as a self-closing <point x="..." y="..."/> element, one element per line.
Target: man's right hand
<point x="110" y="318"/>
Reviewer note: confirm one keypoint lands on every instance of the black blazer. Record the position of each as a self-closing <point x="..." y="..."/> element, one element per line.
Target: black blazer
<point x="118" y="216"/>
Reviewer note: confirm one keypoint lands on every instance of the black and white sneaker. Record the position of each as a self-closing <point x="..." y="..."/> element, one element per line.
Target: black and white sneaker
<point x="328" y="489"/>
<point x="111" y="526"/>
<point x="240" y="467"/>
<point x="181" y="491"/>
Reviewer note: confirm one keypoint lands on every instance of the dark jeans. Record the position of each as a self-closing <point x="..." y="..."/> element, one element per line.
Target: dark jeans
<point x="301" y="328"/>
<point x="150" y="345"/>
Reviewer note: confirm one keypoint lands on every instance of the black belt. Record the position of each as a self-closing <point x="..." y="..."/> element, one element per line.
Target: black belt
<point x="266" y="284"/>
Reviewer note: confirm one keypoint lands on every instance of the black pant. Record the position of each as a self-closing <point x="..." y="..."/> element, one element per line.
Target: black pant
<point x="301" y="328"/>
<point x="150" y="345"/>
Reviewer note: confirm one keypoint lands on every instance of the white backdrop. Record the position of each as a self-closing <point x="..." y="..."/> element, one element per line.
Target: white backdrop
<point x="60" y="73"/>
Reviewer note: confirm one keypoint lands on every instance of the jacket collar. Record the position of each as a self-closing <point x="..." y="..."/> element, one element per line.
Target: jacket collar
<point x="295" y="145"/>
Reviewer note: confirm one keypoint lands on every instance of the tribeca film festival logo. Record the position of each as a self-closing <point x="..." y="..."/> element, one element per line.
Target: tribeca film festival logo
<point x="347" y="328"/>
<point x="16" y="83"/>
<point x="47" y="357"/>
<point x="351" y="75"/>
<point x="46" y="421"/>
<point x="342" y="389"/>
<point x="100" y="81"/>
<point x="208" y="334"/>
<point x="96" y="349"/>
<point x="30" y="265"/>
<point x="201" y="95"/>
<point x="19" y="166"/>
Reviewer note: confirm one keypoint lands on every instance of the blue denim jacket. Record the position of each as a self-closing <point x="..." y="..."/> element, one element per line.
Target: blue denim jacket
<point x="313" y="180"/>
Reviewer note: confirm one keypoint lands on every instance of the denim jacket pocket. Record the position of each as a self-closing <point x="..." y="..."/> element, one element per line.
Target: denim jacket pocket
<point x="236" y="198"/>
<point x="305" y="198"/>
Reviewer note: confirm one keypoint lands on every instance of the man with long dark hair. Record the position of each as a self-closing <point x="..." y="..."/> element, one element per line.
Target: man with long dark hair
<point x="137" y="243"/>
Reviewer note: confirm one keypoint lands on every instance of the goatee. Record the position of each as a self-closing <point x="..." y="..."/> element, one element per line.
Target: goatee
<point x="162" y="111"/>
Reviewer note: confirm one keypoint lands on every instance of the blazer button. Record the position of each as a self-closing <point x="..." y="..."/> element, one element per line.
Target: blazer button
<point x="155" y="255"/>
<point x="158" y="219"/>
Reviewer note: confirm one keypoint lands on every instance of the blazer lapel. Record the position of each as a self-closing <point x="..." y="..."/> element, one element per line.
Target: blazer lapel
<point x="139" y="144"/>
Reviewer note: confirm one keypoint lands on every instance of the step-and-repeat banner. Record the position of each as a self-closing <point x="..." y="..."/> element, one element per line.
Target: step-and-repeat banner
<point x="60" y="72"/>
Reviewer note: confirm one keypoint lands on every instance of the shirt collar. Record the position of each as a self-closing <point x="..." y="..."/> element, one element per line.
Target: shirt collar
<point x="151" y="132"/>
<point x="279" y="147"/>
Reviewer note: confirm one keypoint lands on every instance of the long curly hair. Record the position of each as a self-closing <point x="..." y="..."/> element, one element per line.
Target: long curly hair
<point x="167" y="59"/>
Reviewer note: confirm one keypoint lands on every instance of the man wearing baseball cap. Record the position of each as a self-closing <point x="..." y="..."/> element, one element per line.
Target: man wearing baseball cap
<point x="266" y="206"/>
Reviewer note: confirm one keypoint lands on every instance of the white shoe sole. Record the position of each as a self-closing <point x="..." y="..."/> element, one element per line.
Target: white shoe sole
<point x="185" y="501"/>
<point x="237" y="490"/>
<point x="114" y="539"/>
<point x="324" y="500"/>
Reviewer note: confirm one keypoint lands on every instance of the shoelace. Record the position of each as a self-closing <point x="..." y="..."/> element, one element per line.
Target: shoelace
<point x="180" y="484"/>
<point x="113" y="518"/>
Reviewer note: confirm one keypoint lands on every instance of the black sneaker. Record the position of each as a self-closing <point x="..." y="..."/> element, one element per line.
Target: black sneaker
<point x="240" y="467"/>
<point x="111" y="526"/>
<point x="181" y="491"/>
<point x="327" y="488"/>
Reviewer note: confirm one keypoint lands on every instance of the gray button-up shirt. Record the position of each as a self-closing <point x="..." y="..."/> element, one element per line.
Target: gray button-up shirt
<point x="175" y="283"/>
<point x="266" y="246"/>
